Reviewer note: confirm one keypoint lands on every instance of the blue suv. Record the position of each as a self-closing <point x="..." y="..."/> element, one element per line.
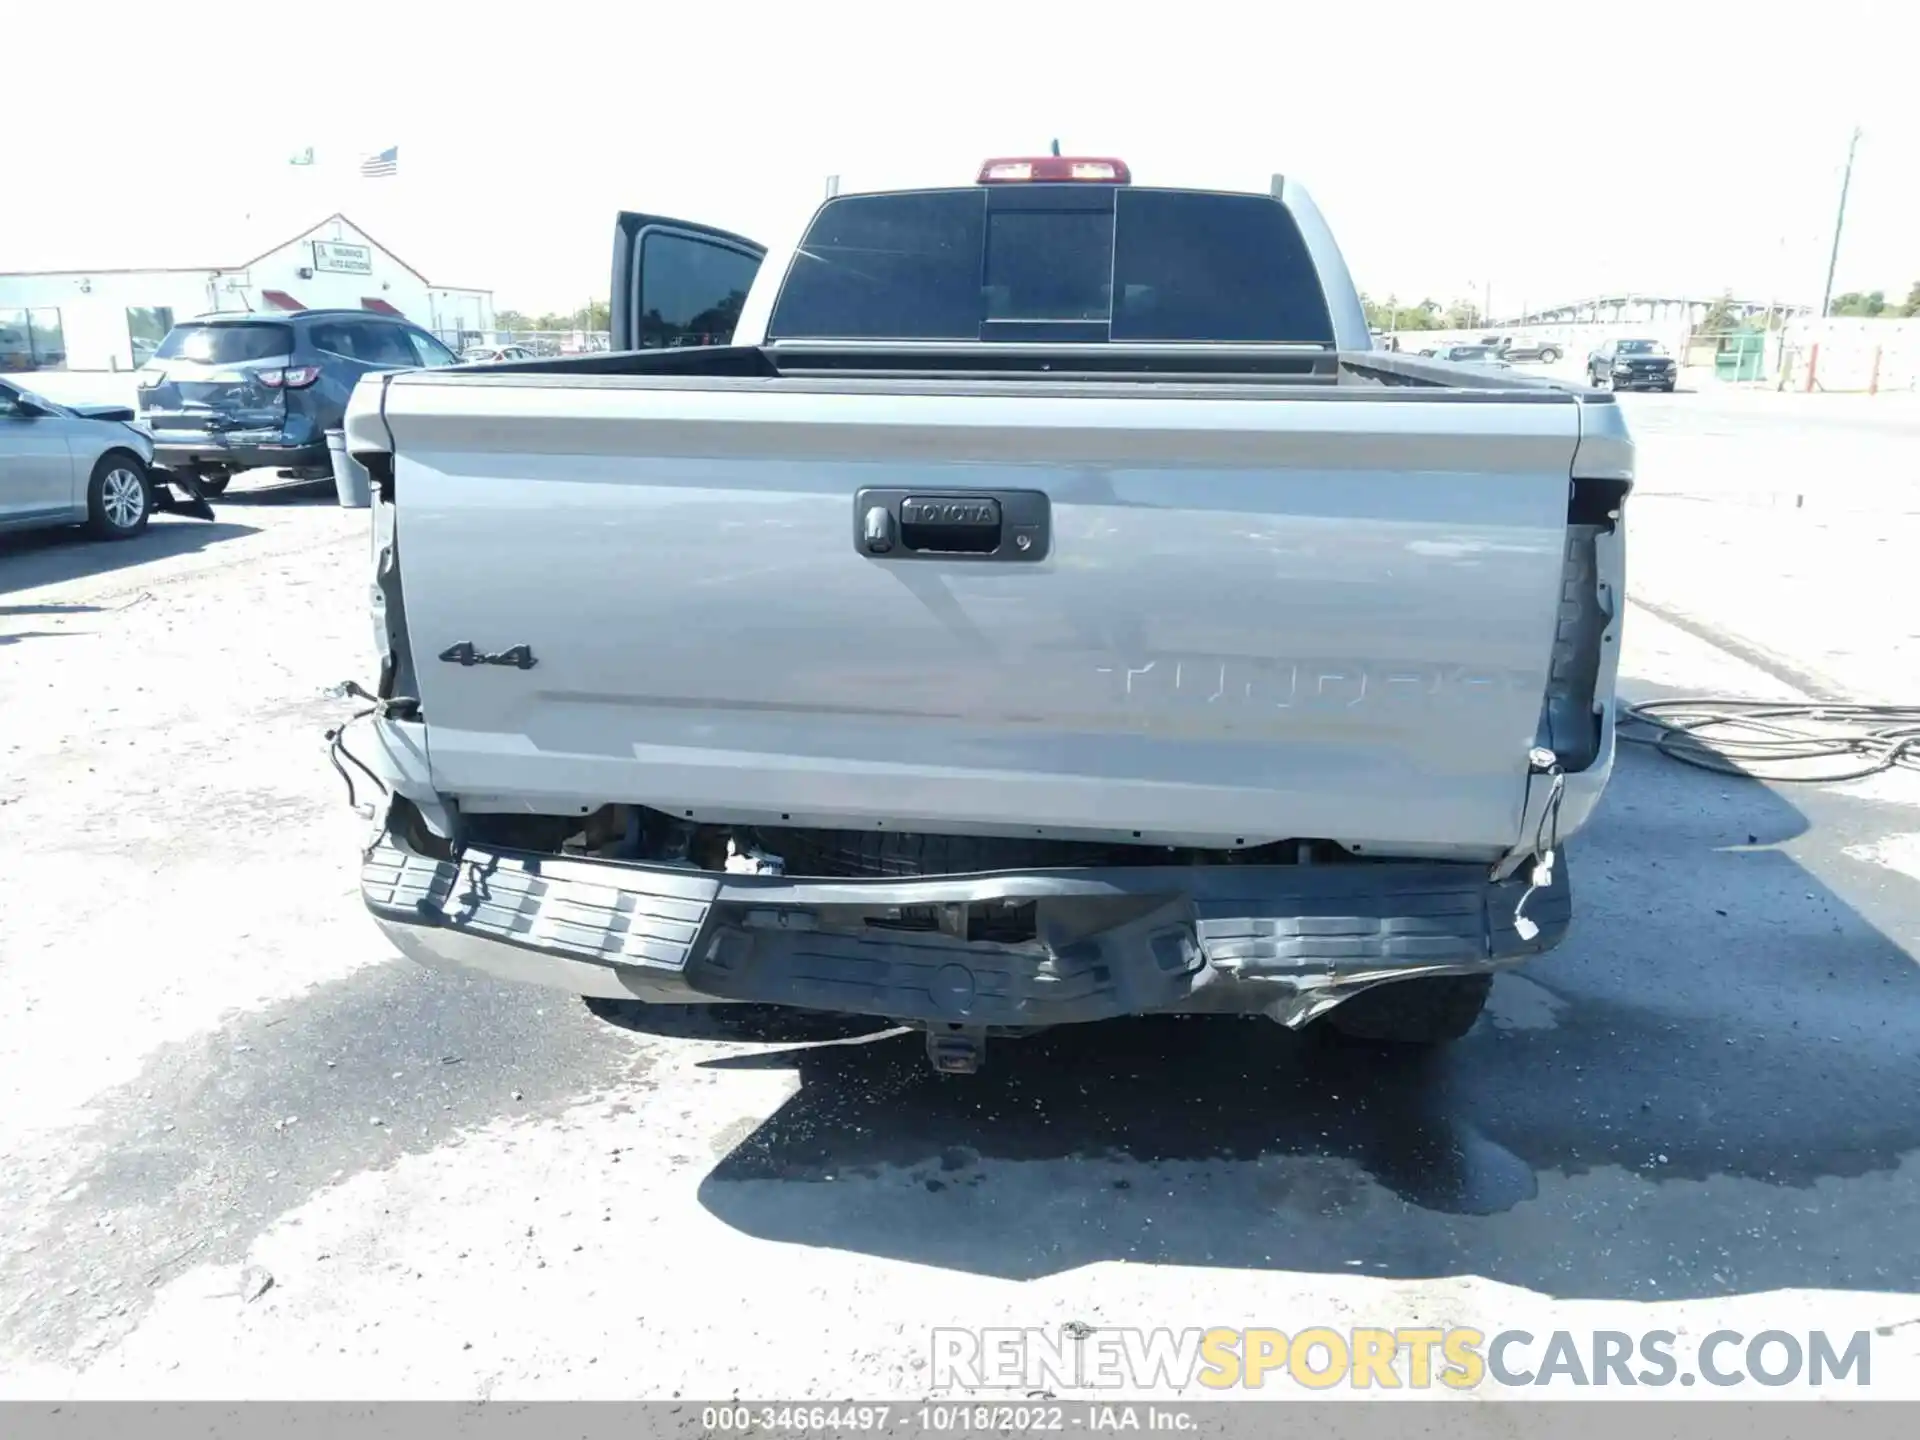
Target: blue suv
<point x="225" y="393"/>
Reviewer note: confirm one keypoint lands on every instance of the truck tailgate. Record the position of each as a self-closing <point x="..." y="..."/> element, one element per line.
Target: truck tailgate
<point x="1258" y="613"/>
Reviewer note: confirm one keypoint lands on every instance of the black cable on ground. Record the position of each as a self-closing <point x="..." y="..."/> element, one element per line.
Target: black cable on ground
<point x="1769" y="740"/>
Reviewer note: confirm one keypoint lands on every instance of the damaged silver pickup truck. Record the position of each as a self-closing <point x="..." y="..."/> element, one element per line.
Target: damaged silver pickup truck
<point x="997" y="606"/>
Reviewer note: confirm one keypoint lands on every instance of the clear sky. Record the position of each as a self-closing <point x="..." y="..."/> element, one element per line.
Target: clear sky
<point x="1550" y="150"/>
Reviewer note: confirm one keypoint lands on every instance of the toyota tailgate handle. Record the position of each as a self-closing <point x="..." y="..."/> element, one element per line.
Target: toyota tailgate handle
<point x="1009" y="525"/>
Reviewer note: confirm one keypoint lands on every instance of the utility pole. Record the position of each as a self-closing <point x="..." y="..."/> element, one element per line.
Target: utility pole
<point x="1839" y="223"/>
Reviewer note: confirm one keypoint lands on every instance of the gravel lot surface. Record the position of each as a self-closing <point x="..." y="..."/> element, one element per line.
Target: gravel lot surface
<point x="1702" y="1111"/>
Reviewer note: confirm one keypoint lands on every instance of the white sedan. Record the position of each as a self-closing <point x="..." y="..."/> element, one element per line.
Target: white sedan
<point x="73" y="465"/>
<point x="495" y="354"/>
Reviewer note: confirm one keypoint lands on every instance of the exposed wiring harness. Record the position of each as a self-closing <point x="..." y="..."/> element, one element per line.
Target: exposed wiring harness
<point x="1546" y="840"/>
<point x="1808" y="741"/>
<point x="337" y="749"/>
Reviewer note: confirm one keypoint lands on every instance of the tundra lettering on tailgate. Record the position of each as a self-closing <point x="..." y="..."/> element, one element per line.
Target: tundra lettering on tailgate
<point x="1180" y="682"/>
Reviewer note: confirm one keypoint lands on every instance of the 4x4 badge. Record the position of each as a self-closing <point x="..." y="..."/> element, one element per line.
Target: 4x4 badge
<point x="520" y="657"/>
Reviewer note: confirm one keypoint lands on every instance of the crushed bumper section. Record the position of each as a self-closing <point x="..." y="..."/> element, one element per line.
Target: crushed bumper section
<point x="1011" y="949"/>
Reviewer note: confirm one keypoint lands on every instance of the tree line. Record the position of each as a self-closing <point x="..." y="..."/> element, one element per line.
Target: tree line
<point x="595" y="315"/>
<point x="1390" y="315"/>
<point x="1874" y="304"/>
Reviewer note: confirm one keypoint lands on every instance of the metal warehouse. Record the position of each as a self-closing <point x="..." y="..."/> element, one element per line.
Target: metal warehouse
<point x="111" y="316"/>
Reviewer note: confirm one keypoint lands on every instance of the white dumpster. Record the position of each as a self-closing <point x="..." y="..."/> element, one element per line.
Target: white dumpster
<point x="350" y="479"/>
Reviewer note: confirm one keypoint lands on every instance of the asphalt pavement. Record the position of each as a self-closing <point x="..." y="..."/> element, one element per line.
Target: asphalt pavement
<point x="253" y="1153"/>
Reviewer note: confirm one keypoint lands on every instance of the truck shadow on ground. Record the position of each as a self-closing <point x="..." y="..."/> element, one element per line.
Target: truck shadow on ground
<point x="9" y="636"/>
<point x="1711" y="1089"/>
<point x="261" y="488"/>
<point x="54" y="557"/>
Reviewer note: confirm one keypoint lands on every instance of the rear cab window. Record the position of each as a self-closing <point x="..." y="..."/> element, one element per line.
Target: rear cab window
<point x="227" y="344"/>
<point x="1053" y="263"/>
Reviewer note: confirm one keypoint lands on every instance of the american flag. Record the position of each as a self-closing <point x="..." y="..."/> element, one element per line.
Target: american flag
<point x="387" y="162"/>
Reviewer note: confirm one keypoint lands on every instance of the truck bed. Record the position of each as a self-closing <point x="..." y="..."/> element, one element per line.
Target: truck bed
<point x="1278" y="594"/>
<point x="1295" y="366"/>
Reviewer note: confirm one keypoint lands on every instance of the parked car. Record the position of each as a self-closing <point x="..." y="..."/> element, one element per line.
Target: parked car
<point x="231" y="392"/>
<point x="494" y="354"/>
<point x="1632" y="365"/>
<point x="1545" y="351"/>
<point x="918" y="648"/>
<point x="1485" y="356"/>
<point x="73" y="465"/>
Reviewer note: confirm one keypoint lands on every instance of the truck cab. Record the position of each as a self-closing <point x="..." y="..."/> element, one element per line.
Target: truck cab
<point x="1193" y="265"/>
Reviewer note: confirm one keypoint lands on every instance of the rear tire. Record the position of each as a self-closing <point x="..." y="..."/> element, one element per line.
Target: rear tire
<point x="213" y="482"/>
<point x="1549" y="355"/>
<point x="119" y="497"/>
<point x="1430" y="1011"/>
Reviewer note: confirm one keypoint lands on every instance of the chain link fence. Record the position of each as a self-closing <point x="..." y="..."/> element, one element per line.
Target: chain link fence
<point x="1851" y="356"/>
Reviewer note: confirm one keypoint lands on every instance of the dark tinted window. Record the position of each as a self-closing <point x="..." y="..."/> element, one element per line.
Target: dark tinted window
<point x="1145" y="265"/>
<point x="32" y="340"/>
<point x="1194" y="266"/>
<point x="889" y="267"/>
<point x="49" y="339"/>
<point x="16" y="351"/>
<point x="147" y="326"/>
<point x="691" y="290"/>
<point x="226" y="344"/>
<point x="377" y="343"/>
<point x="333" y="336"/>
<point x="430" y="351"/>
<point x="1049" y="265"/>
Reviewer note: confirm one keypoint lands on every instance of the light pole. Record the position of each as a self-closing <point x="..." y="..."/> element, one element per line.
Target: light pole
<point x="1839" y="223"/>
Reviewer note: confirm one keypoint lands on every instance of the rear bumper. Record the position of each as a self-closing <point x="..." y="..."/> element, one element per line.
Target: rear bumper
<point x="1288" y="941"/>
<point x="176" y="452"/>
<point x="297" y="442"/>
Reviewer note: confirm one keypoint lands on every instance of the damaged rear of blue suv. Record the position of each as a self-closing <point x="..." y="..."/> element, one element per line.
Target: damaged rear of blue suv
<point x="231" y="392"/>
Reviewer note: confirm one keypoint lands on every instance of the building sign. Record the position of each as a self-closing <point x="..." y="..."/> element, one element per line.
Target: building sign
<point x="345" y="259"/>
